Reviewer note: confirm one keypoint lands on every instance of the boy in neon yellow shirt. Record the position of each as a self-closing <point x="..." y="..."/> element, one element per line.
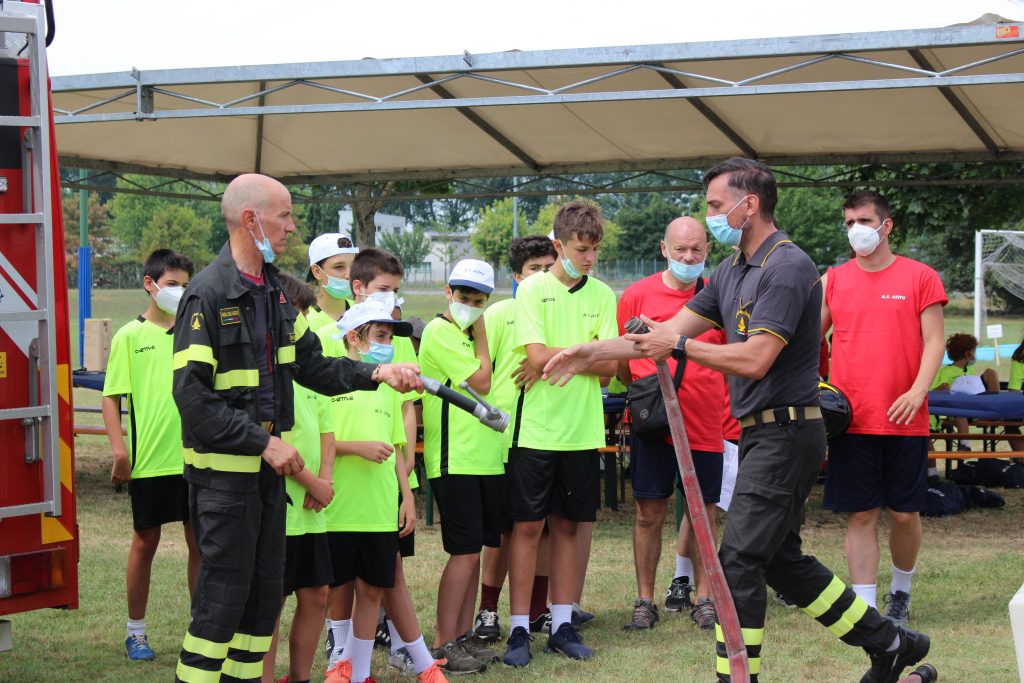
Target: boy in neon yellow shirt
<point x="365" y="518"/>
<point x="139" y="367"/>
<point x="554" y="470"/>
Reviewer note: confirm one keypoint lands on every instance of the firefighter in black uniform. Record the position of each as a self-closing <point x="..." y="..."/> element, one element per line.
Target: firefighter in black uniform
<point x="238" y="345"/>
<point x="767" y="298"/>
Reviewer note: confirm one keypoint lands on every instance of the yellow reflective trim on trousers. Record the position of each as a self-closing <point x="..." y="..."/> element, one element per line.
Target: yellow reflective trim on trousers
<point x="236" y="378"/>
<point x="722" y="665"/>
<point x="826" y="599"/>
<point x="204" y="647"/>
<point x="196" y="352"/>
<point x="850" y="618"/>
<point x="286" y="354"/>
<point x="247" y="671"/>
<point x="751" y="636"/>
<point x="222" y="462"/>
<point x="190" y="674"/>
<point x="243" y="641"/>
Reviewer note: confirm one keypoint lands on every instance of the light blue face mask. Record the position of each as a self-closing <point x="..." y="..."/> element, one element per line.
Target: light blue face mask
<point x="378" y="353"/>
<point x="264" y="247"/>
<point x="721" y="230"/>
<point x="570" y="269"/>
<point x="338" y="287"/>
<point x="685" y="272"/>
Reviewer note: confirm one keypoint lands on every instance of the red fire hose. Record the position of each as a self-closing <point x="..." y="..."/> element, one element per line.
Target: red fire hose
<point x="739" y="669"/>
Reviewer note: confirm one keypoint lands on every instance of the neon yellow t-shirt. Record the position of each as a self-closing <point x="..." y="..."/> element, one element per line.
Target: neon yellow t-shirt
<point x="455" y="442"/>
<point x="140" y="368"/>
<point x="365" y="493"/>
<point x="317" y="318"/>
<point x="568" y="418"/>
<point x="946" y="375"/>
<point x="312" y="418"/>
<point x="1016" y="376"/>
<point x="500" y="320"/>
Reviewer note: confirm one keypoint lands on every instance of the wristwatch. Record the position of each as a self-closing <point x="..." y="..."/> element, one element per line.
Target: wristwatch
<point x="679" y="352"/>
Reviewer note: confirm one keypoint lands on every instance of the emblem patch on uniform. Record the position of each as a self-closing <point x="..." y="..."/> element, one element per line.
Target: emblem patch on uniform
<point x="230" y="316"/>
<point x="743" y="317"/>
<point x="281" y="299"/>
<point x="197" y="321"/>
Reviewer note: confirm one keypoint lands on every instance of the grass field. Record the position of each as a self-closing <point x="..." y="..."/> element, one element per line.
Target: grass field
<point x="969" y="568"/>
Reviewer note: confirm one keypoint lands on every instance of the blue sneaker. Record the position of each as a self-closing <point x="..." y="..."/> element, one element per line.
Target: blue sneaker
<point x="580" y="616"/>
<point x="567" y="640"/>
<point x="517" y="654"/>
<point x="137" y="648"/>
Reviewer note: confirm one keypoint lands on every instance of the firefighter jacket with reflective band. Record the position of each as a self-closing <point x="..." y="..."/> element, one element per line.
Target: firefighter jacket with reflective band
<point x="216" y="379"/>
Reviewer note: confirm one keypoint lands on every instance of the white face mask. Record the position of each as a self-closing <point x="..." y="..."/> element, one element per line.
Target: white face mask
<point x="464" y="315"/>
<point x="387" y="299"/>
<point x="863" y="238"/>
<point x="167" y="298"/>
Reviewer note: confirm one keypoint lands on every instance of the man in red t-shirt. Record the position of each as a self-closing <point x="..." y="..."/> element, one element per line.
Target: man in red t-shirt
<point x="653" y="463"/>
<point x="885" y="312"/>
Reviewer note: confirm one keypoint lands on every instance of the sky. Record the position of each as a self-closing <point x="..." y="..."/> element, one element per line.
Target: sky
<point x="116" y="35"/>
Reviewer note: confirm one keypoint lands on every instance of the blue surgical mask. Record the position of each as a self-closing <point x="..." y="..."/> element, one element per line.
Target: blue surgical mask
<point x="721" y="230"/>
<point x="264" y="247"/>
<point x="570" y="269"/>
<point x="685" y="272"/>
<point x="338" y="287"/>
<point x="378" y="353"/>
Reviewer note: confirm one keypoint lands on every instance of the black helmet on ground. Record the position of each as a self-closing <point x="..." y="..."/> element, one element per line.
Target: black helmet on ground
<point x="835" y="409"/>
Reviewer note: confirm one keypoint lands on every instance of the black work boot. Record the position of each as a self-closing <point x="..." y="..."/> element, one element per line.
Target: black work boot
<point x="886" y="667"/>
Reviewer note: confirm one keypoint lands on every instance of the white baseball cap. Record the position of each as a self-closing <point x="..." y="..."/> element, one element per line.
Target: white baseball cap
<point x="371" y="311"/>
<point x="330" y="244"/>
<point x="473" y="273"/>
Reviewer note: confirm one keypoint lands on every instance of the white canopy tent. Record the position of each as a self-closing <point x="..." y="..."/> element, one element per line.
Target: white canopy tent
<point x="950" y="94"/>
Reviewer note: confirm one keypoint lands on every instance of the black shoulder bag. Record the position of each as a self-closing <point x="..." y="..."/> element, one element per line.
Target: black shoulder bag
<point x="647" y="406"/>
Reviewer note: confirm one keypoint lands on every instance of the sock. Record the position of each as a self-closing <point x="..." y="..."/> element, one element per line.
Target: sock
<point x="868" y="592"/>
<point x="560" y="614"/>
<point x="539" y="597"/>
<point x="901" y="579"/>
<point x="684" y="567"/>
<point x="362" y="651"/>
<point x="895" y="643"/>
<point x="136" y="627"/>
<point x="396" y="638"/>
<point x="420" y="653"/>
<point x="519" y="620"/>
<point x="340" y="628"/>
<point x="489" y="597"/>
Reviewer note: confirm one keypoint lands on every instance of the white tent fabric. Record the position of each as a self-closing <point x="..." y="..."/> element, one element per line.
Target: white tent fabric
<point x="955" y="93"/>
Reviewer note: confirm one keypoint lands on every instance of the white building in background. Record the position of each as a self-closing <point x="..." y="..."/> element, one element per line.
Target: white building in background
<point x="445" y="248"/>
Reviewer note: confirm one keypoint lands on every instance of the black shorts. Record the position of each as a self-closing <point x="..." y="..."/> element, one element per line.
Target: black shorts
<point x="655" y="470"/>
<point x="407" y="545"/>
<point x="564" y="483"/>
<point x="368" y="555"/>
<point x="869" y="471"/>
<point x="471" y="511"/>
<point x="307" y="562"/>
<point x="158" y="500"/>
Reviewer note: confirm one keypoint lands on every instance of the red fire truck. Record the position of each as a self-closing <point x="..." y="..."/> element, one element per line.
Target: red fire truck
<point x="38" y="531"/>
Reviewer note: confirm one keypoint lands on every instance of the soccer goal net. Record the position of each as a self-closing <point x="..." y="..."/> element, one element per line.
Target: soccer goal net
<point x="999" y="253"/>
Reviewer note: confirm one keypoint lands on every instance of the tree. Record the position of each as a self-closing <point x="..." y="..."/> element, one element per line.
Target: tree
<point x="492" y="234"/>
<point x="107" y="252"/>
<point x="410" y="247"/>
<point x="179" y="228"/>
<point x="813" y="219"/>
<point x="643" y="224"/>
<point x="610" y="243"/>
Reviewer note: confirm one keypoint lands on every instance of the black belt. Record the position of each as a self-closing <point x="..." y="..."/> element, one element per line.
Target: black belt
<point x="781" y="416"/>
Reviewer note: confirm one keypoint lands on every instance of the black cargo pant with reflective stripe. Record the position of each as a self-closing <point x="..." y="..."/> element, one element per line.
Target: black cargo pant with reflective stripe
<point x="241" y="539"/>
<point x="761" y="544"/>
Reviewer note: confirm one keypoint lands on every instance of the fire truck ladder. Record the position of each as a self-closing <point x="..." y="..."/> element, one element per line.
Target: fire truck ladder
<point x="39" y="418"/>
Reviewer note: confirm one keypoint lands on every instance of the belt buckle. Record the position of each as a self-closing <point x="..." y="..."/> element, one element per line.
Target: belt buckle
<point x="782" y="415"/>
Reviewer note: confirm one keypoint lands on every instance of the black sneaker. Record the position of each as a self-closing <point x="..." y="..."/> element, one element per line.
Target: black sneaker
<point x="886" y="667"/>
<point x="645" y="616"/>
<point x="926" y="672"/>
<point x="899" y="608"/>
<point x="580" y="616"/>
<point x="517" y="653"/>
<point x="541" y="624"/>
<point x="477" y="649"/>
<point x="382" y="638"/>
<point x="329" y="642"/>
<point x="459" y="660"/>
<point x="486" y="628"/>
<point x="677" y="597"/>
<point x="567" y="640"/>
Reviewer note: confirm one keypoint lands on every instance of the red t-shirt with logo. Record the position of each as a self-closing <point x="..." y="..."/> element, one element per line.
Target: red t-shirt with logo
<point x="702" y="391"/>
<point x="731" y="427"/>
<point x="876" y="339"/>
